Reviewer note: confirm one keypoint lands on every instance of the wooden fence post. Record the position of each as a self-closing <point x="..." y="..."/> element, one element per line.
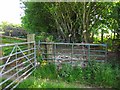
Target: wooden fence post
<point x="30" y="38"/>
<point x="49" y="49"/>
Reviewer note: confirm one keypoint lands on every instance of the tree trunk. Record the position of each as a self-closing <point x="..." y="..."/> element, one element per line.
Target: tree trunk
<point x="84" y="24"/>
<point x="102" y="35"/>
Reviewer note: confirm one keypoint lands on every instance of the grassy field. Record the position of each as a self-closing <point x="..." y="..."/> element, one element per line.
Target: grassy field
<point x="11" y="40"/>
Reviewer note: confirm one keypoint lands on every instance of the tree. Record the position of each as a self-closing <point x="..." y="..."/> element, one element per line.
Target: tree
<point x="10" y="29"/>
<point x="69" y="22"/>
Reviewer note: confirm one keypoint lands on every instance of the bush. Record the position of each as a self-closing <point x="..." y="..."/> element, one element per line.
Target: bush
<point x="70" y="74"/>
<point x="101" y="74"/>
<point x="95" y="74"/>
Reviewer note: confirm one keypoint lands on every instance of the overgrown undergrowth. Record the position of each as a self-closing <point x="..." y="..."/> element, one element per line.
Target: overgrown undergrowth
<point x="94" y="75"/>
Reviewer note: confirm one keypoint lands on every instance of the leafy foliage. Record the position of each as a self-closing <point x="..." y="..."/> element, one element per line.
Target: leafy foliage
<point x="94" y="75"/>
<point x="14" y="30"/>
<point x="73" y="21"/>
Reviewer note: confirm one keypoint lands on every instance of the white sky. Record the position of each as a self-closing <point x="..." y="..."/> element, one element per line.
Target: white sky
<point x="10" y="11"/>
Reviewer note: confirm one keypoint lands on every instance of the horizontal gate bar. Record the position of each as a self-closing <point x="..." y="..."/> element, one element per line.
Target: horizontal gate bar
<point x="87" y="44"/>
<point x="27" y="68"/>
<point x="97" y="51"/>
<point x="97" y="55"/>
<point x="16" y="66"/>
<point x="4" y="45"/>
<point x="23" y="53"/>
<point x="8" y="59"/>
<point x="14" y="74"/>
<point x="16" y="53"/>
<point x="19" y="77"/>
<point x="24" y="78"/>
<point x="15" y="60"/>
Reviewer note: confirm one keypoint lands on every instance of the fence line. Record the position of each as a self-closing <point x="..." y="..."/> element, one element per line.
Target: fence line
<point x="73" y="43"/>
<point x="21" y="60"/>
<point x="4" y="45"/>
<point x="72" y="52"/>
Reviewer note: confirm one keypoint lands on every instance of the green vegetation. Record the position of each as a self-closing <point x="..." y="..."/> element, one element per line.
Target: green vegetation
<point x="73" y="21"/>
<point x="94" y="75"/>
<point x="7" y="83"/>
<point x="9" y="40"/>
<point x="7" y="50"/>
<point x="13" y="30"/>
<point x="47" y="83"/>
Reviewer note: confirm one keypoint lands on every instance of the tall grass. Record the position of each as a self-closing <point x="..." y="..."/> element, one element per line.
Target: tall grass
<point x="94" y="75"/>
<point x="45" y="71"/>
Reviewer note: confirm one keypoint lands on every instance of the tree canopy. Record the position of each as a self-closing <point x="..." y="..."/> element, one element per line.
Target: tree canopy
<point x="73" y="21"/>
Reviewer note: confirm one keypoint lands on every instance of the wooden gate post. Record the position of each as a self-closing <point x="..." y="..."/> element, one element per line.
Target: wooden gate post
<point x="30" y="38"/>
<point x="49" y="49"/>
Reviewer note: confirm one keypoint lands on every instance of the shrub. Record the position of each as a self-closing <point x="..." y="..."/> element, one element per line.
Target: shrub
<point x="95" y="74"/>
<point x="101" y="74"/>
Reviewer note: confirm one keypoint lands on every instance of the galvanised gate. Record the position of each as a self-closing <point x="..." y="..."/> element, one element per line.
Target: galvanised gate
<point x="73" y="53"/>
<point x="17" y="63"/>
<point x="19" y="59"/>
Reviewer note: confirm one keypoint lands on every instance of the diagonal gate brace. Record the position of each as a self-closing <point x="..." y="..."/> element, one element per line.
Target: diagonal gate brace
<point x="25" y="55"/>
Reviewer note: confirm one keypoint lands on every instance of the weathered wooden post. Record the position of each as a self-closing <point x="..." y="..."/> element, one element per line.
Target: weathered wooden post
<point x="49" y="49"/>
<point x="30" y="38"/>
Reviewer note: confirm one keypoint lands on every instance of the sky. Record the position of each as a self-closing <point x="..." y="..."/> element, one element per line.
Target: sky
<point x="10" y="11"/>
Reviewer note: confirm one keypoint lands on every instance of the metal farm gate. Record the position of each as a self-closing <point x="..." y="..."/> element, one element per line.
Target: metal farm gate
<point x="19" y="59"/>
<point x="73" y="53"/>
<point x="17" y="63"/>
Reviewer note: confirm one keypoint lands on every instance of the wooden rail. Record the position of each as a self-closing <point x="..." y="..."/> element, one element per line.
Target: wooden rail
<point x="13" y="37"/>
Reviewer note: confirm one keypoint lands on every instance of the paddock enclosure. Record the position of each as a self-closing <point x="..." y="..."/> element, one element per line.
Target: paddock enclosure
<point x="19" y="59"/>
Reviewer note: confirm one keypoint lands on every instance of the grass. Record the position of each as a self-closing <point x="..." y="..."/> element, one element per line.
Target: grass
<point x="9" y="40"/>
<point x="47" y="83"/>
<point x="7" y="50"/>
<point x="94" y="75"/>
<point x="47" y="77"/>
